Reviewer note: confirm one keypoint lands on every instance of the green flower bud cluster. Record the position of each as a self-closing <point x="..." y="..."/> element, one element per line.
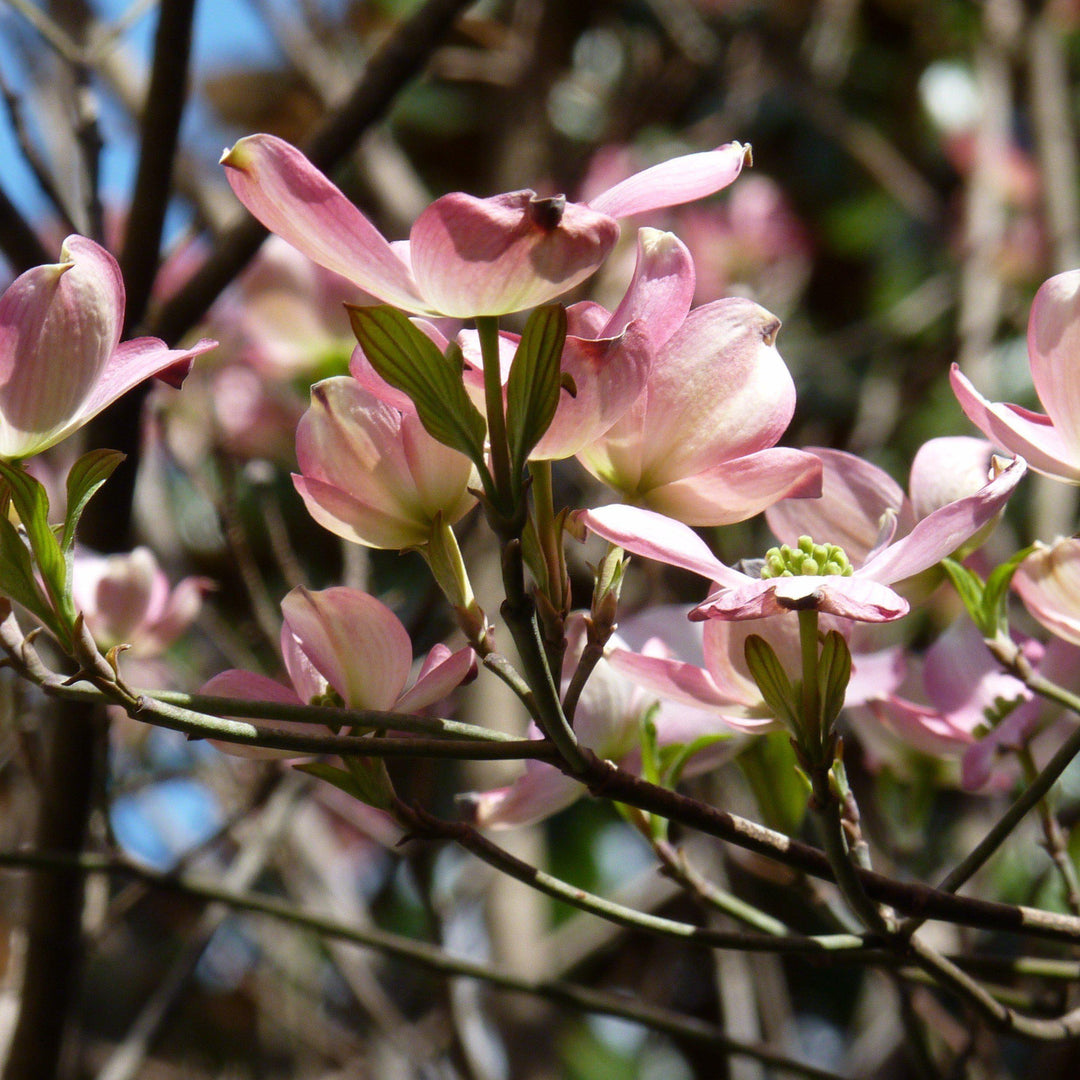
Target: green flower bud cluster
<point x="329" y="699"/>
<point x="806" y="559"/>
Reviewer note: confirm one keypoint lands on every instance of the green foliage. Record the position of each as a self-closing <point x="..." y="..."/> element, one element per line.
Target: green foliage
<point x="834" y="674"/>
<point x="532" y="391"/>
<point x="410" y="361"/>
<point x="86" y="476"/>
<point x="987" y="602"/>
<point x="365" y="779"/>
<point x="773" y="682"/>
<point x="770" y="768"/>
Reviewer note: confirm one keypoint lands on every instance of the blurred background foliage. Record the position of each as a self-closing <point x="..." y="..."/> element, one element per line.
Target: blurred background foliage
<point x="914" y="180"/>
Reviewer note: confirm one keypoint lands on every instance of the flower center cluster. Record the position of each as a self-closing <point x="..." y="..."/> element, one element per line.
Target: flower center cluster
<point x="806" y="559"/>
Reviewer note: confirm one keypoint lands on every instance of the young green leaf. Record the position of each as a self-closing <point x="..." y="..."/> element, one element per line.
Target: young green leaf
<point x="971" y="590"/>
<point x="996" y="593"/>
<point x="532" y="391"/>
<point x="86" y="476"/>
<point x="17" y="580"/>
<point x="365" y="779"/>
<point x="834" y="674"/>
<point x="410" y="361"/>
<point x="772" y="681"/>
<point x="31" y="502"/>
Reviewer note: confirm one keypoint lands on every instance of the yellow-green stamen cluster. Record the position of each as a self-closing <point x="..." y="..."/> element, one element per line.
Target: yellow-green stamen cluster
<point x="329" y="699"/>
<point x="806" y="559"/>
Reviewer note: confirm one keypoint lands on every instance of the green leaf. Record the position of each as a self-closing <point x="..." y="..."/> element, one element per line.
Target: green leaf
<point x="532" y="391"/>
<point x="86" y="476"/>
<point x="410" y="361"/>
<point x="17" y="580"/>
<point x="834" y="674"/>
<point x="772" y="681"/>
<point x="675" y="757"/>
<point x="771" y="770"/>
<point x="31" y="502"/>
<point x="971" y="590"/>
<point x="365" y="779"/>
<point x="650" y="747"/>
<point x="996" y="593"/>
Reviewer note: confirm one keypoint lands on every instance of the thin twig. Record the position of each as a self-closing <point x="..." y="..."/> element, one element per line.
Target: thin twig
<point x="428" y="956"/>
<point x="402" y="56"/>
<point x="158" y="138"/>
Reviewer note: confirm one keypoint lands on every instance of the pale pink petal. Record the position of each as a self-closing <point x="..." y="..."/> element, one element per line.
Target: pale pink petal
<point x="655" y="536"/>
<point x="134" y="362"/>
<point x="738" y="489"/>
<point x="540" y="792"/>
<point x="855" y="497"/>
<point x="1053" y="347"/>
<point x="609" y="376"/>
<point x="250" y="686"/>
<point x="504" y="254"/>
<point x="123" y="591"/>
<point x="1019" y="431"/>
<point x="874" y="675"/>
<point x="371" y="456"/>
<point x="180" y="611"/>
<point x="718" y="390"/>
<point x="963" y="679"/>
<point x="980" y="761"/>
<point x="946" y="469"/>
<point x="847" y="597"/>
<point x="354" y="641"/>
<point x="922" y="728"/>
<point x="741" y="708"/>
<point x="680" y="180"/>
<point x="59" y="324"/>
<point x="943" y="531"/>
<point x="1048" y="582"/>
<point x="440" y="476"/>
<point x="293" y="199"/>
<point x="361" y="523"/>
<point x="661" y="290"/>
<point x="438" y="679"/>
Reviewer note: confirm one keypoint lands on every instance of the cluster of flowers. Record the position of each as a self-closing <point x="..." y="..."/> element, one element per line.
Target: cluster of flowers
<point x="677" y="409"/>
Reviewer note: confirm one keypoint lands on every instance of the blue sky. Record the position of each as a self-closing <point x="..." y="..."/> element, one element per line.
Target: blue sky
<point x="226" y="31"/>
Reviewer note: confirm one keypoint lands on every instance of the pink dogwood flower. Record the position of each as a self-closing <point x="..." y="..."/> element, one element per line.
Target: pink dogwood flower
<point x="342" y="646"/>
<point x="698" y="444"/>
<point x="370" y="473"/>
<point x="718" y="679"/>
<point x="61" y="360"/>
<point x="608" y="355"/>
<point x="851" y="587"/>
<point x="465" y="256"/>
<point x="1050" y="442"/>
<point x="957" y="702"/>
<point x="127" y="598"/>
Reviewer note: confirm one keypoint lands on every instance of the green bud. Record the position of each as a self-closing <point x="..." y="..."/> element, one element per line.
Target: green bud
<point x="807" y="559"/>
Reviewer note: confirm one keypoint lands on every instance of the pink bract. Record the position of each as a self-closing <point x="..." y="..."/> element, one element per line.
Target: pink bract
<point x="698" y="444"/>
<point x="344" y="642"/>
<point x="864" y="596"/>
<point x="465" y="256"/>
<point x="370" y="473"/>
<point x="61" y="359"/>
<point x="1050" y="442"/>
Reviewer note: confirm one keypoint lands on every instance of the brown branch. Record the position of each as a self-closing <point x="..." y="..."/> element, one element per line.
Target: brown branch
<point x="71" y="731"/>
<point x="18" y="242"/>
<point x="402" y="56"/>
<point x="159" y="135"/>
